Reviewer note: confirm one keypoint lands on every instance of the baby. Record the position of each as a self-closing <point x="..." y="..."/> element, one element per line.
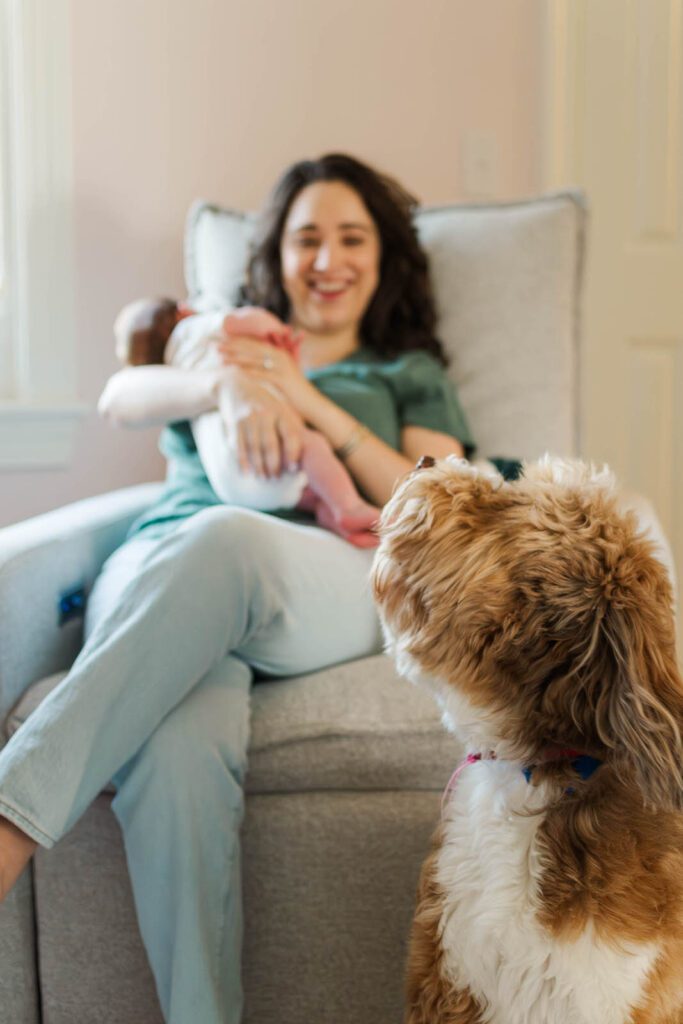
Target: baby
<point x="162" y="331"/>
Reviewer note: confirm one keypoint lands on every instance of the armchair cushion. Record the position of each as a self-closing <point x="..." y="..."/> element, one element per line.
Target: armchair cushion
<point x="354" y="727"/>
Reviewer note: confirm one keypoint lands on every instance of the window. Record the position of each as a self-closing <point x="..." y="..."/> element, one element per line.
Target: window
<point x="38" y="412"/>
<point x="6" y="366"/>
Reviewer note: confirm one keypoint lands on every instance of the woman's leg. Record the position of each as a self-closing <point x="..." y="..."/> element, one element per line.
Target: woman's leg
<point x="286" y="598"/>
<point x="179" y="802"/>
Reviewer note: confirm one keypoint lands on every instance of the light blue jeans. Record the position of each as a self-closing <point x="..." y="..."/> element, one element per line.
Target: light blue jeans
<point x="158" y="700"/>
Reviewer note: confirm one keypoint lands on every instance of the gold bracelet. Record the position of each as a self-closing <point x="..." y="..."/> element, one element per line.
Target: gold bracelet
<point x="356" y="438"/>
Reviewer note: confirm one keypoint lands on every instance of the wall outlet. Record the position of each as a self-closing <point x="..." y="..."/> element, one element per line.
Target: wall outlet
<point x="478" y="165"/>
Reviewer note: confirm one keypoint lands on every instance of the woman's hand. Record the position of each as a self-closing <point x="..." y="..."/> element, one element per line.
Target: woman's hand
<point x="269" y="364"/>
<point x="266" y="431"/>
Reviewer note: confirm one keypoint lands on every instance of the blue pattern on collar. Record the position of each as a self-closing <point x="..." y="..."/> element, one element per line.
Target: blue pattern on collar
<point x="584" y="765"/>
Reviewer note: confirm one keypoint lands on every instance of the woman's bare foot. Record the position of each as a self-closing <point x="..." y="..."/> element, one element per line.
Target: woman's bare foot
<point x="16" y="850"/>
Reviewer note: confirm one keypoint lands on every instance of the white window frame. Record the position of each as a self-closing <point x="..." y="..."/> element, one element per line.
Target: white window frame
<point x="6" y="359"/>
<point x="39" y="412"/>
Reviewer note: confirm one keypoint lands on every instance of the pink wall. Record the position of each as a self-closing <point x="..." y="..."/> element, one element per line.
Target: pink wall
<point x="175" y="100"/>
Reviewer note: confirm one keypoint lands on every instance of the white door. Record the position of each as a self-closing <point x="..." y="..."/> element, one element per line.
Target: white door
<point x="615" y="127"/>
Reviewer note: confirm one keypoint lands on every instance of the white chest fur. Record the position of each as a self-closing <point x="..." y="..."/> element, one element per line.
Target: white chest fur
<point x="489" y="869"/>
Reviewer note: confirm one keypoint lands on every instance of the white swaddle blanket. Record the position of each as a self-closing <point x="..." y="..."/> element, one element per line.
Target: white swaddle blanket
<point x="192" y="346"/>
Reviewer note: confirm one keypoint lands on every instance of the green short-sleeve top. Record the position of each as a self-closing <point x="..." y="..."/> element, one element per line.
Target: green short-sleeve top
<point x="384" y="394"/>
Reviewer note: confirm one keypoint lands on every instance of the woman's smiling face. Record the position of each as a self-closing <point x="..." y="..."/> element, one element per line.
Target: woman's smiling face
<point x="330" y="254"/>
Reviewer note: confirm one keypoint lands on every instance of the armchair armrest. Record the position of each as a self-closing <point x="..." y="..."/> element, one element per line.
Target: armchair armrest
<point x="47" y="566"/>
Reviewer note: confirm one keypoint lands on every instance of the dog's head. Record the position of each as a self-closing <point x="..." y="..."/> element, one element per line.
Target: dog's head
<point x="538" y="613"/>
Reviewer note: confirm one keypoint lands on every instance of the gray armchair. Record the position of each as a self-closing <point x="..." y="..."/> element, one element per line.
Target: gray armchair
<point x="347" y="765"/>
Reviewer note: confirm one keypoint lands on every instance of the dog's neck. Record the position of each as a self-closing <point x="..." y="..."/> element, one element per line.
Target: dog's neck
<point x="577" y="761"/>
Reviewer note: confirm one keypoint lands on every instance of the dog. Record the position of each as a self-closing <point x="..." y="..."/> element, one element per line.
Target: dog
<point x="541" y="619"/>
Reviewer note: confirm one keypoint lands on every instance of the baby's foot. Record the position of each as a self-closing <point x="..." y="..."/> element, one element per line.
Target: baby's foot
<point x="354" y="525"/>
<point x="361" y="539"/>
<point x="360" y="517"/>
<point x="251" y="321"/>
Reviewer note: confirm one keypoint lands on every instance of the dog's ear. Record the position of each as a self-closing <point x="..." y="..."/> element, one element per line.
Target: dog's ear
<point x="640" y="704"/>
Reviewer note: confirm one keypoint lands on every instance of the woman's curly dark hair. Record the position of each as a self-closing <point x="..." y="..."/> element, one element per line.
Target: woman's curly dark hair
<point x="401" y="315"/>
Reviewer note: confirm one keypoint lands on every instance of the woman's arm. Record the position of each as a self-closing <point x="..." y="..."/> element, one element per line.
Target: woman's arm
<point x="417" y="441"/>
<point x="268" y="432"/>
<point x="145" y="396"/>
<point x="374" y="465"/>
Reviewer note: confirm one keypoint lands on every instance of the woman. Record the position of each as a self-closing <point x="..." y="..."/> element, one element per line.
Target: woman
<point x="201" y="593"/>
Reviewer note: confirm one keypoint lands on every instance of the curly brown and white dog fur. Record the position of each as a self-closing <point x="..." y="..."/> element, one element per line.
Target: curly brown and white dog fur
<point x="541" y="619"/>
